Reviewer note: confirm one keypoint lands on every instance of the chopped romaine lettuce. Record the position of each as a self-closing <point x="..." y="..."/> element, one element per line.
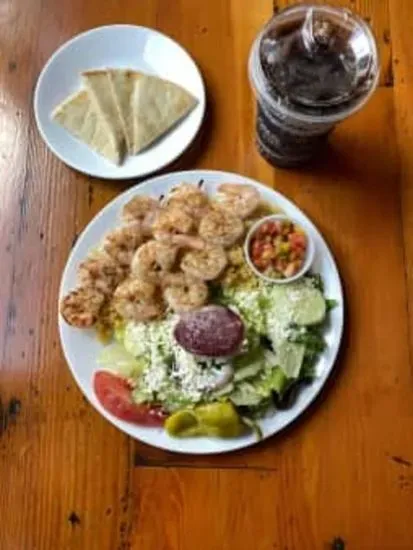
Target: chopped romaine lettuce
<point x="273" y="380"/>
<point x="316" y="281"/>
<point x="290" y="356"/>
<point x="249" y="364"/>
<point x="119" y="331"/>
<point x="250" y="304"/>
<point x="312" y="338"/>
<point x="245" y="394"/>
<point x="331" y="304"/>
<point x="221" y="392"/>
<point x="247" y="371"/>
<point x="142" y="396"/>
<point x="172" y="399"/>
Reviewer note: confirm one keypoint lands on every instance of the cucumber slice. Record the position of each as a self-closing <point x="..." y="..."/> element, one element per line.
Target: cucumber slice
<point x="309" y="305"/>
<point x="116" y="359"/>
<point x="290" y="356"/>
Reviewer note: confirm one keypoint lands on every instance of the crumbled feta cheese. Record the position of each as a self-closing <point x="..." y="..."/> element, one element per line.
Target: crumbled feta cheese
<point x="278" y="326"/>
<point x="279" y="318"/>
<point x="155" y="375"/>
<point x="247" y="303"/>
<point x="140" y="337"/>
<point x="195" y="375"/>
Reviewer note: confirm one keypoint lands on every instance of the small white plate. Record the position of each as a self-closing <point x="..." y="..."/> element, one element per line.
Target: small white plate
<point x="81" y="347"/>
<point x="117" y="46"/>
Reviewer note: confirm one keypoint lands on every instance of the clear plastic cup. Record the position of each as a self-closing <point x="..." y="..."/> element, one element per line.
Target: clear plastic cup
<point x="310" y="67"/>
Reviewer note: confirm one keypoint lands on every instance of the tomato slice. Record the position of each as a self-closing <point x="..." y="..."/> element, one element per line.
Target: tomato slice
<point x="114" y="394"/>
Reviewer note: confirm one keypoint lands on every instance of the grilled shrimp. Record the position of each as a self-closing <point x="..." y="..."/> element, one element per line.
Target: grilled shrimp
<point x="240" y="199"/>
<point x="171" y="222"/>
<point x="142" y="209"/>
<point x="183" y="293"/>
<point x="206" y="264"/>
<point x="122" y="242"/>
<point x="80" y="308"/>
<point x="135" y="300"/>
<point x="220" y="227"/>
<point x="153" y="258"/>
<point x="188" y="241"/>
<point x="189" y="199"/>
<point x="100" y="271"/>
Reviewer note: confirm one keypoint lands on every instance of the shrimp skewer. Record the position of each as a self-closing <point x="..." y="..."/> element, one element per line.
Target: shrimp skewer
<point x="190" y="199"/>
<point x="170" y="223"/>
<point x="136" y="300"/>
<point x="238" y="198"/>
<point x="183" y="293"/>
<point x="80" y="308"/>
<point x="187" y="230"/>
<point x="188" y="241"/>
<point x="100" y="271"/>
<point x="221" y="228"/>
<point x="122" y="242"/>
<point x="141" y="209"/>
<point x="152" y="259"/>
<point x="206" y="264"/>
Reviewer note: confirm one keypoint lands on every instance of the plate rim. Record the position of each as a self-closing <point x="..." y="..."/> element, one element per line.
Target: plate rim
<point x="239" y="443"/>
<point x="96" y="174"/>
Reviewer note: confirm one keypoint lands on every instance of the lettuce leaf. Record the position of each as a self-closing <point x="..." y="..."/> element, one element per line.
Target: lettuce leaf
<point x="116" y="359"/>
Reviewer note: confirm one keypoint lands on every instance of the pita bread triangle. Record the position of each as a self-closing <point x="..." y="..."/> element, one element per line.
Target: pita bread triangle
<point x="157" y="105"/>
<point x="122" y="83"/>
<point x="78" y="116"/>
<point x="98" y="85"/>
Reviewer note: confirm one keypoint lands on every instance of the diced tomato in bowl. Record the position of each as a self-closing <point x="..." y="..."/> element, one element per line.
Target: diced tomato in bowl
<point x="298" y="240"/>
<point x="278" y="249"/>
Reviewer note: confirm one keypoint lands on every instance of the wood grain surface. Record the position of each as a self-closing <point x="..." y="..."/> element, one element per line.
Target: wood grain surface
<point x="341" y="477"/>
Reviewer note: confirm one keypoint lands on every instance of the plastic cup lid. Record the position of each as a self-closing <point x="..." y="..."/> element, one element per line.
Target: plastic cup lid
<point x="315" y="63"/>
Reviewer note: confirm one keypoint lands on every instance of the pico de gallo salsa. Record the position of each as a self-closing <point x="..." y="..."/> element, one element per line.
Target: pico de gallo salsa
<point x="278" y="248"/>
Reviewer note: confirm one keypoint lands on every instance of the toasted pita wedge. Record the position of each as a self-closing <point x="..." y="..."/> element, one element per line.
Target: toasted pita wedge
<point x="122" y="82"/>
<point x="157" y="105"/>
<point x="98" y="85"/>
<point x="79" y="117"/>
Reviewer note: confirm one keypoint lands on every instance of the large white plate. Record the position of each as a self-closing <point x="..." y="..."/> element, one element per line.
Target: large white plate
<point x="81" y="347"/>
<point x="117" y="46"/>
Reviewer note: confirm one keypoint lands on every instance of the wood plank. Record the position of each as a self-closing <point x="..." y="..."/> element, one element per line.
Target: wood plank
<point x="16" y="80"/>
<point x="402" y="18"/>
<point x="377" y="15"/>
<point x="289" y="509"/>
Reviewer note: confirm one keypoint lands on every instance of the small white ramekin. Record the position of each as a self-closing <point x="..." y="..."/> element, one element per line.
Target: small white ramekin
<point x="309" y="253"/>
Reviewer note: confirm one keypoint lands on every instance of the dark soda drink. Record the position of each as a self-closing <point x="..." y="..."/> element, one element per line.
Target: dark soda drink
<point x="310" y="67"/>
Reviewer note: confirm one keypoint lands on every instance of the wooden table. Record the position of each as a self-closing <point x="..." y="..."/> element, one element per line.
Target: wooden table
<point x="342" y="477"/>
